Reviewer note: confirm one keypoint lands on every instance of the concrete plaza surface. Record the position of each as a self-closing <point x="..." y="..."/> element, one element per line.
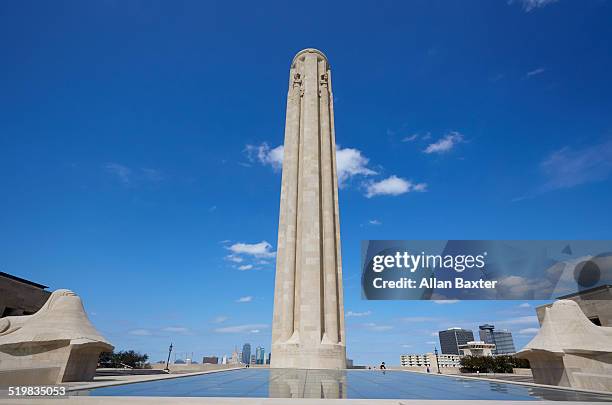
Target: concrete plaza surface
<point x="109" y="381"/>
<point x="258" y="401"/>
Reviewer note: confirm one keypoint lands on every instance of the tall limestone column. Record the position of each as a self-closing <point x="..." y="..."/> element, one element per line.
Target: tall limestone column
<point x="308" y="324"/>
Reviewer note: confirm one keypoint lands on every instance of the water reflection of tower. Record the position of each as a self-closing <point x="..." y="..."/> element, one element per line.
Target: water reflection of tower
<point x="327" y="384"/>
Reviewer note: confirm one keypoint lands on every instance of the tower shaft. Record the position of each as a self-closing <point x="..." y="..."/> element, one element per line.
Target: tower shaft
<point x="308" y="324"/>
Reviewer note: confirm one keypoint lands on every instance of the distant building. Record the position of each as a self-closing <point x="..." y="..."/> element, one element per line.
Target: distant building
<point x="349" y="363"/>
<point x="269" y="358"/>
<point x="253" y="359"/>
<point x="235" y="359"/>
<point x="595" y="303"/>
<point x="224" y="359"/>
<point x="210" y="360"/>
<point x="450" y="339"/>
<point x="260" y="355"/>
<point x="19" y="296"/>
<point x="429" y="360"/>
<point x="477" y="348"/>
<point x="502" y="339"/>
<point x="246" y="353"/>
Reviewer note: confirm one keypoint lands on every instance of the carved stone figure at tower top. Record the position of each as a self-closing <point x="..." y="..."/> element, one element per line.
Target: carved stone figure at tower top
<point x="308" y="324"/>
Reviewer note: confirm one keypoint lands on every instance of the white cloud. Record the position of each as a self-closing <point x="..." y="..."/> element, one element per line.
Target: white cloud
<point x="445" y="144"/>
<point x="371" y="326"/>
<point x="248" y="298"/>
<point x="419" y="319"/>
<point x="128" y="176"/>
<point x="350" y="314"/>
<point x="567" y="167"/>
<point x="248" y="328"/>
<point x="266" y="156"/>
<point x="535" y="72"/>
<point x="152" y="174"/>
<point x="442" y="302"/>
<point x="176" y="329"/>
<point x="525" y="305"/>
<point x="123" y="173"/>
<point x="410" y="138"/>
<point x="256" y="253"/>
<point x="529" y="331"/>
<point x="260" y="250"/>
<point x="374" y="222"/>
<point x="521" y="320"/>
<point x="234" y="258"/>
<point x="350" y="162"/>
<point x="530" y="5"/>
<point x="220" y="319"/>
<point x="393" y="185"/>
<point x="420" y="187"/>
<point x="431" y="342"/>
<point x="518" y="287"/>
<point x="140" y="332"/>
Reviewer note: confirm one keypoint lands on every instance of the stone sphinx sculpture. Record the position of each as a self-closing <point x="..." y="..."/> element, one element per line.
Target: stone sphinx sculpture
<point x="56" y="344"/>
<point x="569" y="350"/>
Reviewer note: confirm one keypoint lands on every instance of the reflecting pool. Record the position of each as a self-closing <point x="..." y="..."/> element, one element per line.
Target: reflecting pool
<point x="366" y="384"/>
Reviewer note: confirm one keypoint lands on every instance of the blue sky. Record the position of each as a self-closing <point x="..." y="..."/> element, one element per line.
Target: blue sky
<point x="139" y="143"/>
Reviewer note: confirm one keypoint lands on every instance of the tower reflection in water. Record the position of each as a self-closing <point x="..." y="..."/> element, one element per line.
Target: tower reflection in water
<point x="289" y="383"/>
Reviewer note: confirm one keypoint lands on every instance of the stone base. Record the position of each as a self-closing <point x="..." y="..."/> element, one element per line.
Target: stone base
<point x="295" y="355"/>
<point x="589" y="372"/>
<point x="29" y="376"/>
<point x="50" y="362"/>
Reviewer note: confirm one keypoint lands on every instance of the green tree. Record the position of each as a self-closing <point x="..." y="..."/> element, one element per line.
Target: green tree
<point x="491" y="364"/>
<point x="127" y="358"/>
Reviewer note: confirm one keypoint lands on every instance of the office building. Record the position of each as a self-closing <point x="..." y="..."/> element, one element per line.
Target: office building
<point x="450" y="339"/>
<point x="260" y="355"/>
<point x="502" y="339"/>
<point x="429" y="360"/>
<point x="210" y="360"/>
<point x="246" y="353"/>
<point x="235" y="359"/>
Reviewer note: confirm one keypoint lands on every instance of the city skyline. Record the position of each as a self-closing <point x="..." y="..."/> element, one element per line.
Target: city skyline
<point x="141" y="148"/>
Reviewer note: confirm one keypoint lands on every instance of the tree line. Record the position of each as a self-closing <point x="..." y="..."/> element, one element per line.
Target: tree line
<point x="491" y="364"/>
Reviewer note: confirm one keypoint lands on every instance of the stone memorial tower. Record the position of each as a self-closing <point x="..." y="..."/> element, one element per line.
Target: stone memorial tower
<point x="308" y="324"/>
